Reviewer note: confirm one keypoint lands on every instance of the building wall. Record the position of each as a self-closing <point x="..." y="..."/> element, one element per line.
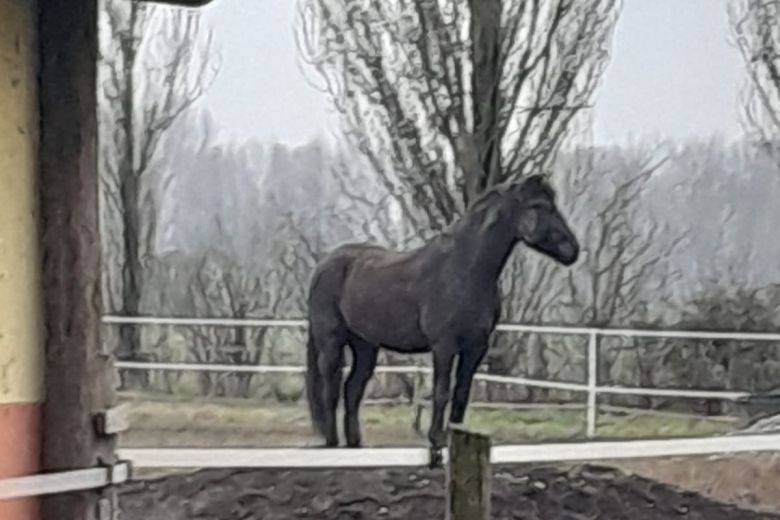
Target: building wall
<point x="21" y="359"/>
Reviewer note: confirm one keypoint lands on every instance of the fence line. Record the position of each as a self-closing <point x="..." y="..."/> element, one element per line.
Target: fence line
<point x="399" y="457"/>
<point x="593" y="334"/>
<point x="504" y="327"/>
<point x="412" y="369"/>
<point x="64" y="481"/>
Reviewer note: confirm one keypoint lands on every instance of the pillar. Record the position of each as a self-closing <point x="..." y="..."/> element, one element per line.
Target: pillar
<point x="79" y="375"/>
<point x="21" y="370"/>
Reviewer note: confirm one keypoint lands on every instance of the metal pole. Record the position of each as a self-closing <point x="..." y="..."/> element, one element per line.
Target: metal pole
<point x="592" y="383"/>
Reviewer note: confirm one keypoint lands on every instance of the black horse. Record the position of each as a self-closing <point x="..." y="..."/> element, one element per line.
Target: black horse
<point x="442" y="298"/>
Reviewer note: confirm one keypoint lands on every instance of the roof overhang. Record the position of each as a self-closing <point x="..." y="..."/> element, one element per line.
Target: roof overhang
<point x="182" y="3"/>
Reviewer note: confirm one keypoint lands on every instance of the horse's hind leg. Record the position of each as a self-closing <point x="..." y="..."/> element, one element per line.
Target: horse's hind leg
<point x="363" y="362"/>
<point x="331" y="362"/>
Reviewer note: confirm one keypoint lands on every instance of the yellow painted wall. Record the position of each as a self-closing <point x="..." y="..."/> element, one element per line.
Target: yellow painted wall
<point x="21" y="356"/>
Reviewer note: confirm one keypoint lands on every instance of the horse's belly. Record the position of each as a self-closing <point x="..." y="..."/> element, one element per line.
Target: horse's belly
<point x="392" y="325"/>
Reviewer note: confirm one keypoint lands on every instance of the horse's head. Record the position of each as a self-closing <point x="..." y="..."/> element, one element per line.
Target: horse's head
<point x="539" y="223"/>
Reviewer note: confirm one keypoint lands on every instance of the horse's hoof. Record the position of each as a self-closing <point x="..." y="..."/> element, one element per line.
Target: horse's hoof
<point x="436" y="459"/>
<point x="326" y="446"/>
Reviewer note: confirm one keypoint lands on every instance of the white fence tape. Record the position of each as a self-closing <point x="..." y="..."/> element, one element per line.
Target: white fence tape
<point x="64" y="481"/>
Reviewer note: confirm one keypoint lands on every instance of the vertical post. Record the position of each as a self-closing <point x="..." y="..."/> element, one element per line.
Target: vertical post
<point x="21" y="338"/>
<point x="593" y="367"/>
<point x="417" y="397"/>
<point x="468" y="476"/>
<point x="79" y="375"/>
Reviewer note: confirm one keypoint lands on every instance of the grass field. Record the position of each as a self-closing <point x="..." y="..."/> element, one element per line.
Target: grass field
<point x="158" y="421"/>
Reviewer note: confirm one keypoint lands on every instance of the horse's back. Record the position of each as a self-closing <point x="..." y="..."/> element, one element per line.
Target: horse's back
<point x="327" y="282"/>
<point x="379" y="296"/>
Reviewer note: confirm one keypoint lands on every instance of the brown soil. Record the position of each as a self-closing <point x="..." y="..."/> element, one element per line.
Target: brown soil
<point x="550" y="493"/>
<point x="751" y="481"/>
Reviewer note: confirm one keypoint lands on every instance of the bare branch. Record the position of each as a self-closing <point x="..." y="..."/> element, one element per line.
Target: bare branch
<point x="409" y="83"/>
<point x="756" y="33"/>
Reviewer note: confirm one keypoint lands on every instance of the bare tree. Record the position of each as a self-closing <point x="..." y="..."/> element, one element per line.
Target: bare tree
<point x="756" y="29"/>
<point x="625" y="251"/>
<point x="155" y="63"/>
<point x="228" y="287"/>
<point x="447" y="98"/>
<point x="623" y="246"/>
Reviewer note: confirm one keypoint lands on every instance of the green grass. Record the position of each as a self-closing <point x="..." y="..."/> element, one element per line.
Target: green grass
<point x="171" y="422"/>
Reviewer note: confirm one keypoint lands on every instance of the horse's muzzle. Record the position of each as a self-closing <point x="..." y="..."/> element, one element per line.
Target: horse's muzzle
<point x="568" y="253"/>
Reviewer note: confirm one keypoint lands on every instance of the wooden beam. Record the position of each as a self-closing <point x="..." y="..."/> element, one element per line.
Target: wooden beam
<point x="468" y="476"/>
<point x="79" y="376"/>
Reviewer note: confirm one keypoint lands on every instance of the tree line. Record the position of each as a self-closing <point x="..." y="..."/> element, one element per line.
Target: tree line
<point x="438" y="101"/>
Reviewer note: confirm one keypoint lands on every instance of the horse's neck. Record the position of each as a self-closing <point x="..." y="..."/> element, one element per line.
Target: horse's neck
<point x="484" y="243"/>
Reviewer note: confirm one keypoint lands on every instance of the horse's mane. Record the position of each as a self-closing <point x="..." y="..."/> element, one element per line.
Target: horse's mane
<point x="486" y="207"/>
<point x="487" y="201"/>
<point x="534" y="184"/>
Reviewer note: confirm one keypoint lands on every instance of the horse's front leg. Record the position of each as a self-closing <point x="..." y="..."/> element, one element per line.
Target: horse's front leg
<point x="467" y="366"/>
<point x="443" y="356"/>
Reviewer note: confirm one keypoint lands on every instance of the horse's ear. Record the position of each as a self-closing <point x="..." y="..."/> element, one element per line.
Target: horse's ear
<point x="537" y="180"/>
<point x="497" y="209"/>
<point x="503" y="188"/>
<point x="538" y="183"/>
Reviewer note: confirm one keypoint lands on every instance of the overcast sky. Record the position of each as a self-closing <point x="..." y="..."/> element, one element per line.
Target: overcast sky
<point x="672" y="73"/>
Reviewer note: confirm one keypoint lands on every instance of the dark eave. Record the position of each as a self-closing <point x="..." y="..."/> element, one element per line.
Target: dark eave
<point x="183" y="3"/>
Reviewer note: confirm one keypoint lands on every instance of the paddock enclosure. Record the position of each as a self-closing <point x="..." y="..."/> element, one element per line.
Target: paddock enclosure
<point x="63" y="454"/>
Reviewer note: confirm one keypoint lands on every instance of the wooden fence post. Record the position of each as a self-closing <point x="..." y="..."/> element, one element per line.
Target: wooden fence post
<point x="468" y="476"/>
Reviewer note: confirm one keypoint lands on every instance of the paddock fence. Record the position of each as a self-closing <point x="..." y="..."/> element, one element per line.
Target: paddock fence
<point x="303" y="457"/>
<point x="590" y="387"/>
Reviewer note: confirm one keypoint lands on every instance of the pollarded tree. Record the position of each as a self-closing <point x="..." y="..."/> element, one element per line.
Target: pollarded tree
<point x="446" y="98"/>
<point x="756" y="28"/>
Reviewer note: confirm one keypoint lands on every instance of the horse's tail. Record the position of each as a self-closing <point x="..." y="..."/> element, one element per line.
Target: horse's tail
<point x="314" y="387"/>
<point x="326" y="284"/>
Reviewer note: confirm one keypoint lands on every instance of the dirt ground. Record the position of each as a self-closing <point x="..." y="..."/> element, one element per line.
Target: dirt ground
<point x="531" y="493"/>
<point x="749" y="481"/>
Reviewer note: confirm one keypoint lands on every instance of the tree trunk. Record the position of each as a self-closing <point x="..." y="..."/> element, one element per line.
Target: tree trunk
<point x="132" y="270"/>
<point x="486" y="53"/>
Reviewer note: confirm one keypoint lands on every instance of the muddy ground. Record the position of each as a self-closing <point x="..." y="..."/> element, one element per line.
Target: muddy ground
<point x="530" y="493"/>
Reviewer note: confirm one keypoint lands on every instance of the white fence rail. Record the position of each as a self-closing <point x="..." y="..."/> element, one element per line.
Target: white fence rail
<point x="410" y="457"/>
<point x="64" y="481"/>
<point x="591" y="387"/>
